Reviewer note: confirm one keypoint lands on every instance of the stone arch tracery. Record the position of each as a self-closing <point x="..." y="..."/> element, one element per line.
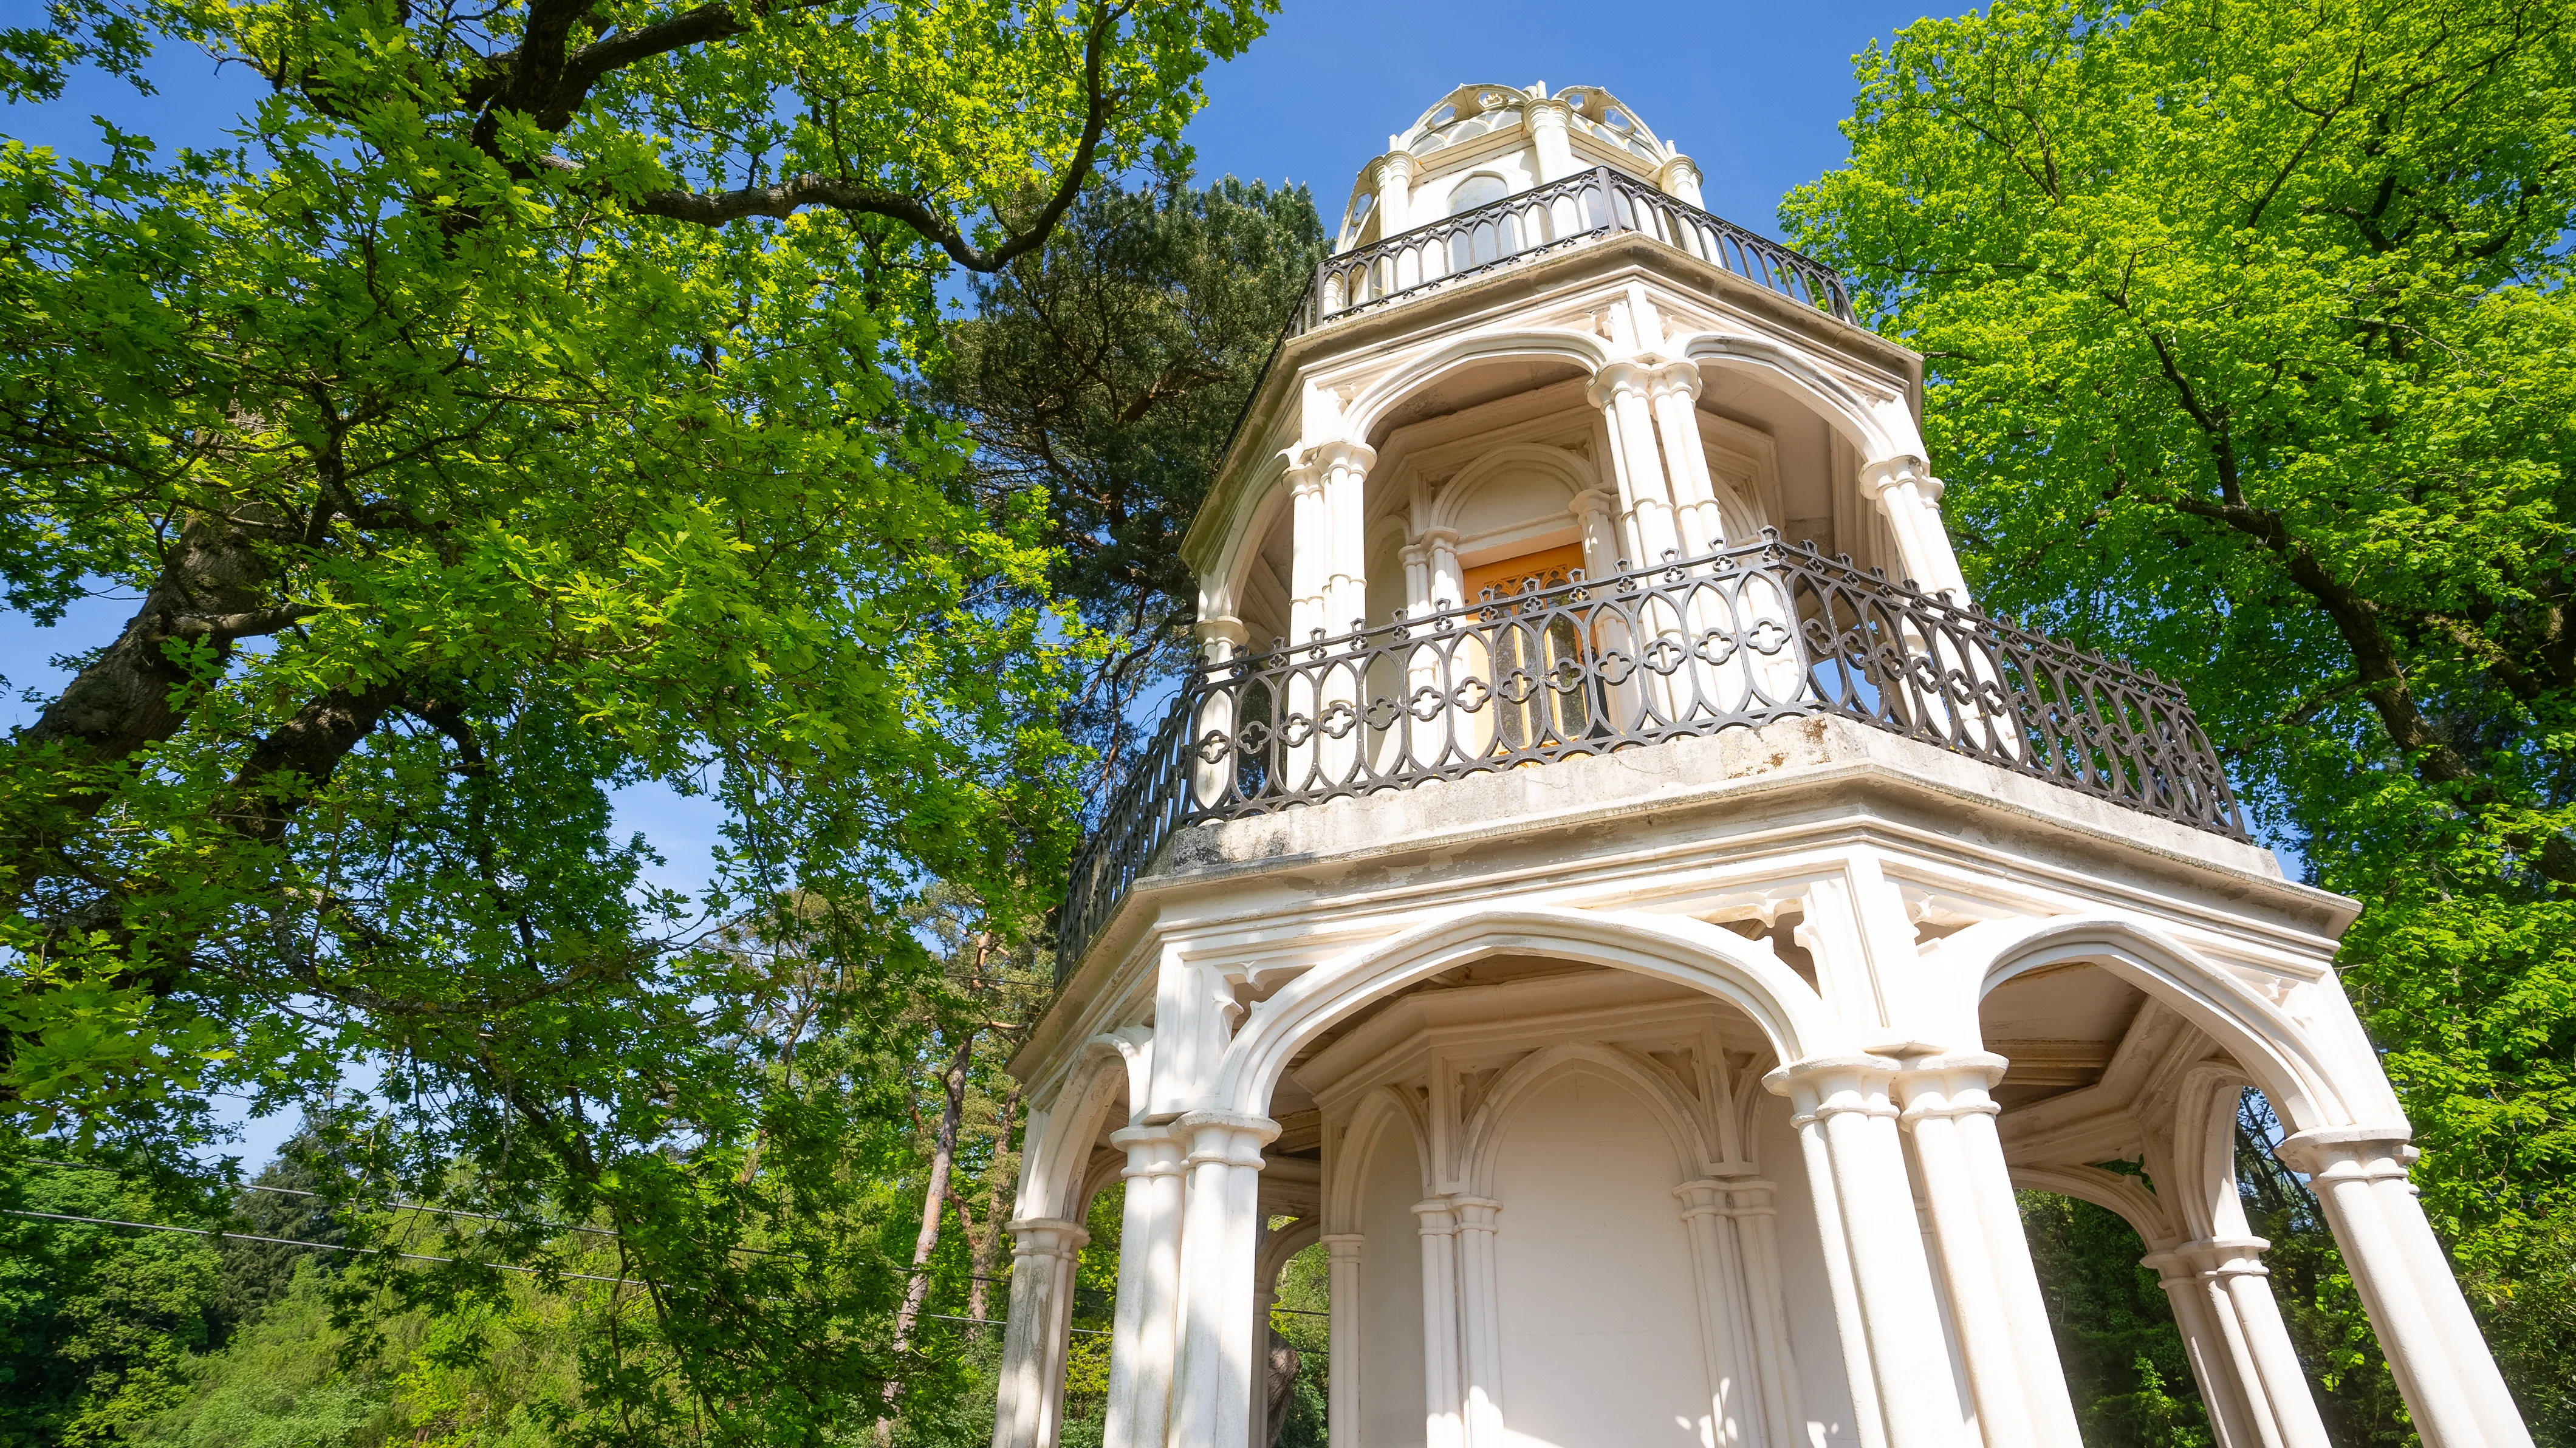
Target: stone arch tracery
<point x="1692" y="1153"/>
<point x="2277" y="1052"/>
<point x="1687" y="952"/>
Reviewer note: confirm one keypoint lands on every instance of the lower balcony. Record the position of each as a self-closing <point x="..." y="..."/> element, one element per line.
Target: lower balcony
<point x="1566" y="667"/>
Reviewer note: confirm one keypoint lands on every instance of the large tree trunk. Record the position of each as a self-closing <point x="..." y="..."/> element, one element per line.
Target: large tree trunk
<point x="212" y="585"/>
<point x="997" y="1189"/>
<point x="934" y="1201"/>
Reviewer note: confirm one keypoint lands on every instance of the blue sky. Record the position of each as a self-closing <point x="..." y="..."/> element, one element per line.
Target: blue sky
<point x="1750" y="92"/>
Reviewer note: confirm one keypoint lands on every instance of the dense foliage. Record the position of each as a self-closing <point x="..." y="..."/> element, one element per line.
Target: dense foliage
<point x="519" y="407"/>
<point x="1109" y="369"/>
<point x="2250" y="340"/>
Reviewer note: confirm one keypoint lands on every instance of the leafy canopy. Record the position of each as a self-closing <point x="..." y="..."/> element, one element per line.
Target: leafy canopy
<point x="518" y="408"/>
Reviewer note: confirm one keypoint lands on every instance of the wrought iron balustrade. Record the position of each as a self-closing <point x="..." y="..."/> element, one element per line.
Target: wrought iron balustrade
<point x="1552" y="670"/>
<point x="1549" y="218"/>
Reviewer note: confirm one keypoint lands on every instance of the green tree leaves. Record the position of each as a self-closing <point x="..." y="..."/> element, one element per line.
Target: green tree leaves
<point x="525" y="408"/>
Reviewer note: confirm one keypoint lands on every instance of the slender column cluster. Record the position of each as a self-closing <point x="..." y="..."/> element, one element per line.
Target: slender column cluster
<point x="1029" y="1403"/>
<point x="1623" y="391"/>
<point x="2011" y="1357"/>
<point x="2453" y="1390"/>
<point x="1480" y="1320"/>
<point x="1149" y="1270"/>
<point x="1673" y="391"/>
<point x="1221" y="1218"/>
<point x="1342" y="1413"/>
<point x="1910" y="498"/>
<point x="1444" y="1423"/>
<point x="2240" y="1349"/>
<point x="1873" y="1247"/>
<point x="1744" y="1327"/>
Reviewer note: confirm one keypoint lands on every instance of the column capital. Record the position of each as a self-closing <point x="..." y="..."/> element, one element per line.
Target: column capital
<point x="1823" y="1086"/>
<point x="2368" y="1153"/>
<point x="1436" y="1216"/>
<point x="1540" y="111"/>
<point x="1478" y="1214"/>
<point x="1702" y="1197"/>
<point x="1679" y="177"/>
<point x="1152" y="1151"/>
<point x="1675" y="377"/>
<point x="1618" y="379"/>
<point x="1306" y="479"/>
<point x="1225" y="1136"/>
<point x="1048" y="1237"/>
<point x="1224" y="629"/>
<point x="1592" y="501"/>
<point x="2228" y="1256"/>
<point x="1950" y="1085"/>
<point x="1343" y="1246"/>
<point x="1888" y="474"/>
<point x="1343" y="453"/>
<point x="1397" y="165"/>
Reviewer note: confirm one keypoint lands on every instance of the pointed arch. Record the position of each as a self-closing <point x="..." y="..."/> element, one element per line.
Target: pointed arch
<point x="2276" y="1051"/>
<point x="1380" y="1111"/>
<point x="1683" y="951"/>
<point x="1691" y="1152"/>
<point x="2123" y="1197"/>
<point x="1581" y="349"/>
<point x="1055" y="1171"/>
<point x="1877" y="431"/>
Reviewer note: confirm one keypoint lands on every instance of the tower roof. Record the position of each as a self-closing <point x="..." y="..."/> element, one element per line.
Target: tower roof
<point x="1450" y="129"/>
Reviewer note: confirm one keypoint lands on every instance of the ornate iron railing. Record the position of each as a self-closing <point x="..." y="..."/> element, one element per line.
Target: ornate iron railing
<point x="1549" y="218"/>
<point x="1548" y="671"/>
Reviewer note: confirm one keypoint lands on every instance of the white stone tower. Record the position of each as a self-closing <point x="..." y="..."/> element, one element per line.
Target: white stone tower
<point x="1644" y="950"/>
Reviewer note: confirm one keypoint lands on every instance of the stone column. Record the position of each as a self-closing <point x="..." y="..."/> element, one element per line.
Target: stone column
<point x="2009" y="1347"/>
<point x="1212" y="1384"/>
<point x="1480" y="1337"/>
<point x="1595" y="510"/>
<point x="1674" y="390"/>
<point x="1149" y="1266"/>
<point x="1910" y="498"/>
<point x="1620" y="390"/>
<point x="1309" y="551"/>
<point x="1784" y="1413"/>
<point x="1029" y="1399"/>
<point x="1448" y="580"/>
<point x="1221" y="637"/>
<point x="1344" y="468"/>
<point x="1546" y="116"/>
<point x="1394" y="174"/>
<point x="1679" y="179"/>
<point x="2439" y="1357"/>
<point x="1342" y="1356"/>
<point x="1734" y="1401"/>
<point x="1847" y="1126"/>
<point x="1443" y="1423"/>
<point x="2214" y="1362"/>
<point x="2235" y="1281"/>
<point x="1935" y="1093"/>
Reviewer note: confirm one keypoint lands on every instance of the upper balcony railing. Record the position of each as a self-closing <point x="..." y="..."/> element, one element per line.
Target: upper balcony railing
<point x="1569" y="666"/>
<point x="1550" y="218"/>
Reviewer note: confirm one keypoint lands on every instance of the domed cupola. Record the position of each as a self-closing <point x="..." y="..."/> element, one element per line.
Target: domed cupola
<point x="1480" y="143"/>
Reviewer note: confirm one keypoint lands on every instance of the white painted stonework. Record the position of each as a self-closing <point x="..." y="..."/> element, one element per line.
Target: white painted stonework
<point x="1674" y="1096"/>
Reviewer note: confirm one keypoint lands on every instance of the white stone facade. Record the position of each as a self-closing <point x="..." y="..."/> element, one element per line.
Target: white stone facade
<point x="1674" y="1094"/>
